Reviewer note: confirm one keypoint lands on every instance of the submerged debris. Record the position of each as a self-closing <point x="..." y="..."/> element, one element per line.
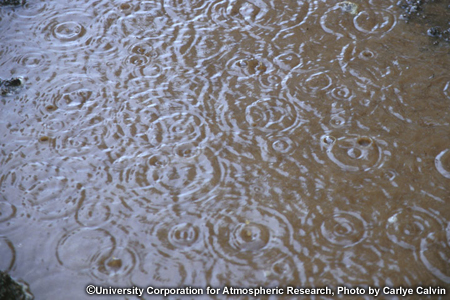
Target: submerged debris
<point x="348" y="7"/>
<point x="412" y="8"/>
<point x="252" y="65"/>
<point x="432" y="14"/>
<point x="11" y="86"/>
<point x="12" y="2"/>
<point x="11" y="290"/>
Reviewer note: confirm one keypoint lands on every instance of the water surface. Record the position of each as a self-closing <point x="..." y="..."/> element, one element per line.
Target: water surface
<point x="215" y="143"/>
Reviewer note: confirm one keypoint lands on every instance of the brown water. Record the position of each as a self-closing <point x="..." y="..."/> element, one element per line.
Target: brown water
<point x="214" y="143"/>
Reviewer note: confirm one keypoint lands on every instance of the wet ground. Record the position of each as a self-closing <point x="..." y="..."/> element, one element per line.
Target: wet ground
<point x="224" y="143"/>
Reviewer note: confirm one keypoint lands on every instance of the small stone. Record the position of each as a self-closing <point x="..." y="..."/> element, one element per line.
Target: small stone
<point x="434" y="32"/>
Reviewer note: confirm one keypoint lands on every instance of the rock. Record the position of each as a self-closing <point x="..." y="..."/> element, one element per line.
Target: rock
<point x="11" y="2"/>
<point x="430" y="14"/>
<point x="11" y="290"/>
<point x="434" y="32"/>
<point x="11" y="86"/>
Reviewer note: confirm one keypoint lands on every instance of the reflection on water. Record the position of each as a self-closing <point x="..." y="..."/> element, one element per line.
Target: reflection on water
<point x="211" y="143"/>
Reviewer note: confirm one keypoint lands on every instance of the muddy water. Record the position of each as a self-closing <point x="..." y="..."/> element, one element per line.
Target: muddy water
<point x="212" y="143"/>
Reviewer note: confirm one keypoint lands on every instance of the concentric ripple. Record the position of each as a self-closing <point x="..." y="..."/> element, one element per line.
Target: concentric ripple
<point x="93" y="213"/>
<point x="66" y="30"/>
<point x="179" y="231"/>
<point x="31" y="9"/>
<point x="8" y="254"/>
<point x="43" y="188"/>
<point x="179" y="128"/>
<point x="435" y="255"/>
<point x="288" y="61"/>
<point x="407" y="227"/>
<point x="360" y="61"/>
<point x="358" y="23"/>
<point x="242" y="234"/>
<point x="415" y="100"/>
<point x="80" y="249"/>
<point x="34" y="59"/>
<point x="353" y="152"/>
<point x="113" y="262"/>
<point x="7" y="210"/>
<point x="271" y="115"/>
<point x="246" y="66"/>
<point x="268" y="115"/>
<point x="258" y="13"/>
<point x="76" y="92"/>
<point x="442" y="163"/>
<point x="140" y="24"/>
<point x="344" y="229"/>
<point x="160" y="270"/>
<point x="185" y="10"/>
<point x="142" y="59"/>
<point x="315" y="83"/>
<point x="160" y="179"/>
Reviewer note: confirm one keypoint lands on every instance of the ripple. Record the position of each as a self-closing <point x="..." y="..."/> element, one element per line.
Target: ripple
<point x="247" y="66"/>
<point x="159" y="270"/>
<point x="93" y="213"/>
<point x="353" y="153"/>
<point x="180" y="231"/>
<point x="374" y="21"/>
<point x="277" y="150"/>
<point x="272" y="115"/>
<point x="288" y="61"/>
<point x="183" y="235"/>
<point x="185" y="10"/>
<point x="141" y="23"/>
<point x="337" y="121"/>
<point x="142" y="59"/>
<point x="8" y="254"/>
<point x="79" y="250"/>
<point x="407" y="227"/>
<point x="78" y="92"/>
<point x="160" y="180"/>
<point x="360" y="259"/>
<point x="366" y="21"/>
<point x="45" y="189"/>
<point x="344" y="229"/>
<point x="360" y="60"/>
<point x="274" y="269"/>
<point x="315" y="83"/>
<point x="66" y="30"/>
<point x="180" y="128"/>
<point x="426" y="100"/>
<point x="243" y="233"/>
<point x="102" y="47"/>
<point x="33" y="59"/>
<point x="7" y="210"/>
<point x="270" y="82"/>
<point x="435" y="255"/>
<point x="73" y="143"/>
<point x="31" y="9"/>
<point x="442" y="163"/>
<point x="283" y="145"/>
<point x="258" y="14"/>
<point x="113" y="262"/>
<point x="187" y="150"/>
<point x="342" y="93"/>
<point x="268" y="115"/>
